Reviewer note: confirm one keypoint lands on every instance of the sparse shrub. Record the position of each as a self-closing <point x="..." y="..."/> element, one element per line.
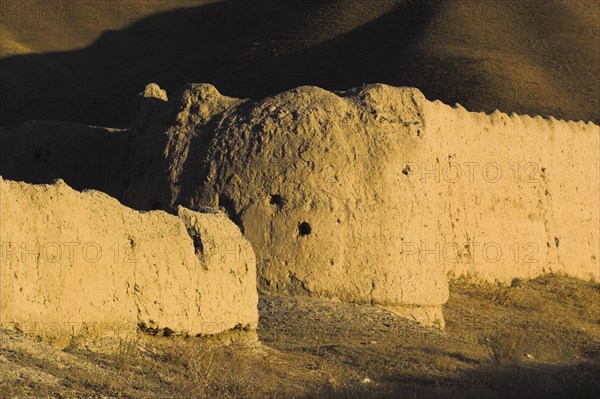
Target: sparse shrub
<point x="211" y="371"/>
<point x="516" y="282"/>
<point x="505" y="346"/>
<point x="126" y="350"/>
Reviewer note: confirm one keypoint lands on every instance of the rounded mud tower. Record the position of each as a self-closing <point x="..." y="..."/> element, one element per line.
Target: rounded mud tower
<point x="315" y="181"/>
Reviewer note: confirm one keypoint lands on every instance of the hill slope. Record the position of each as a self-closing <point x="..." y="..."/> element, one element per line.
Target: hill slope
<point x="537" y="57"/>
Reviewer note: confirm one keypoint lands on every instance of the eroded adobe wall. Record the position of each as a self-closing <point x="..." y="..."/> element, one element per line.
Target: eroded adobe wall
<point x="81" y="264"/>
<point x="371" y="195"/>
<point x="521" y="193"/>
<point x="375" y="194"/>
<point x="312" y="179"/>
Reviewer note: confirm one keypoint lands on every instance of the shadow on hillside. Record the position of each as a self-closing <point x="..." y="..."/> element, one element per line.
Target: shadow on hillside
<point x="510" y="381"/>
<point x="536" y="381"/>
<point x="250" y="48"/>
<point x="255" y="48"/>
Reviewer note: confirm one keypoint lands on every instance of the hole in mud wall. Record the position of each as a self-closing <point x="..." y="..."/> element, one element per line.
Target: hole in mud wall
<point x="229" y="207"/>
<point x="304" y="229"/>
<point x="276" y="200"/>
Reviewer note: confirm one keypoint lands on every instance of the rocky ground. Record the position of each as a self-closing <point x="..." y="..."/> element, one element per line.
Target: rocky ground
<point x="533" y="339"/>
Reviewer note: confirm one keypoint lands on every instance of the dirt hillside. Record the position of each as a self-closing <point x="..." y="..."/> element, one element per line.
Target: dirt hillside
<point x="531" y="57"/>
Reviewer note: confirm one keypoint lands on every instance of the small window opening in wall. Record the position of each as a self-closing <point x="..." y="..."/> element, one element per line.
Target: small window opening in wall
<point x="276" y="200"/>
<point x="304" y="229"/>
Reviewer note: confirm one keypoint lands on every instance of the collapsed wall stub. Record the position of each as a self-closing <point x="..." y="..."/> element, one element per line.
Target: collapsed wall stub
<point x="81" y="265"/>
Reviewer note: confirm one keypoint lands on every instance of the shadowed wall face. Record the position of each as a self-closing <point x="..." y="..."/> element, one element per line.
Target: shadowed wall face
<point x="486" y="55"/>
<point x="85" y="157"/>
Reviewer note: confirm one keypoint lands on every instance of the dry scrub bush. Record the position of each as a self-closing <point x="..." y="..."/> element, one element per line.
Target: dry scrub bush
<point x="504" y="346"/>
<point x="212" y="371"/>
<point x="126" y="350"/>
